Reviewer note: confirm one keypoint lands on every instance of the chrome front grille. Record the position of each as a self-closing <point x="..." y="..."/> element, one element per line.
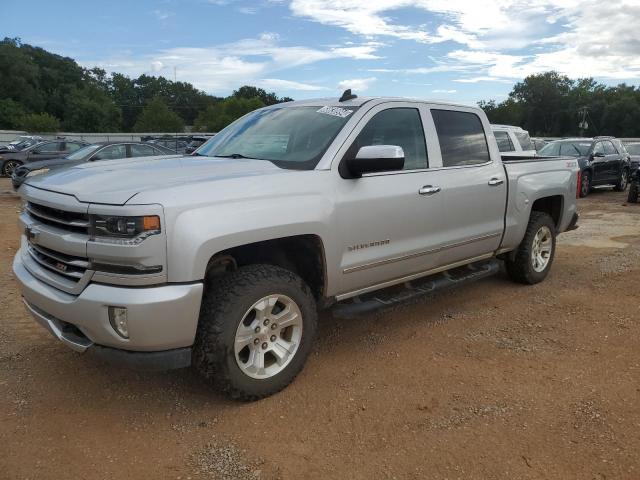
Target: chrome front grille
<point x="55" y="244"/>
<point x="60" y="263"/>
<point x="72" y="221"/>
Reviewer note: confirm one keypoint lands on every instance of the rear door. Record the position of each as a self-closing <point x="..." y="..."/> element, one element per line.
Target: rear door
<point x="614" y="161"/>
<point x="599" y="164"/>
<point x="473" y="186"/>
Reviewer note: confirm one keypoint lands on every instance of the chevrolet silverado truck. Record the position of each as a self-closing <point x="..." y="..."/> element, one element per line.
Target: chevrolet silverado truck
<point x="221" y="259"/>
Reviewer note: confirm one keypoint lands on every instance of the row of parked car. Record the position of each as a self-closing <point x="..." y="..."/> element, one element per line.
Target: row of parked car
<point x="28" y="150"/>
<point x="604" y="160"/>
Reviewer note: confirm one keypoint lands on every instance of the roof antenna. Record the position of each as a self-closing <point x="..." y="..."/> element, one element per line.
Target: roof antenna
<point x="347" y="95"/>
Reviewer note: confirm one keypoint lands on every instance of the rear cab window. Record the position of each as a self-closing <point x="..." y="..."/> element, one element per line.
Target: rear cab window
<point x="524" y="140"/>
<point x="462" y="138"/>
<point x="504" y="141"/>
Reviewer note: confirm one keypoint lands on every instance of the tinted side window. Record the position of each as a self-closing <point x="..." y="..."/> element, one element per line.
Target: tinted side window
<point x="609" y="149"/>
<point x="72" y="147"/>
<point x="524" y="140"/>
<point x="112" y="152"/>
<point x="551" y="149"/>
<point x="52" y="147"/>
<point x="598" y="148"/>
<point x="504" y="142"/>
<point x="568" y="149"/>
<point x="141" y="150"/>
<point x="396" y="126"/>
<point x="461" y="136"/>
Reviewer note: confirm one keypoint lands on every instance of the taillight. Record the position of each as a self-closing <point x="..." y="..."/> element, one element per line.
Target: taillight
<point x="578" y="183"/>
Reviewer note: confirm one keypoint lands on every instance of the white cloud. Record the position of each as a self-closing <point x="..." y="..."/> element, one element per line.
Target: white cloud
<point x="162" y="15"/>
<point x="224" y="67"/>
<point x="356" y="84"/>
<point x="480" y="79"/>
<point x="280" y="84"/>
<point x="596" y="39"/>
<point x="438" y="90"/>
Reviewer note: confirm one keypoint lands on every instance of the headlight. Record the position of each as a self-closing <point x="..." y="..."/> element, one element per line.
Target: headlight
<point x="124" y="230"/>
<point x="37" y="172"/>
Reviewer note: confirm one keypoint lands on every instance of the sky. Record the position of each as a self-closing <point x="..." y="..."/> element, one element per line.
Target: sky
<point x="454" y="50"/>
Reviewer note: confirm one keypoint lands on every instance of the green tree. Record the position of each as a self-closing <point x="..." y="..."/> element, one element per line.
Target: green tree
<point x="157" y="117"/>
<point x="89" y="109"/>
<point x="218" y="116"/>
<point x="40" y="123"/>
<point x="11" y="114"/>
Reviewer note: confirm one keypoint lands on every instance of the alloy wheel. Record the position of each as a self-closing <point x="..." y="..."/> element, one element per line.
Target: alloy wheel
<point x="541" y="249"/>
<point x="268" y="336"/>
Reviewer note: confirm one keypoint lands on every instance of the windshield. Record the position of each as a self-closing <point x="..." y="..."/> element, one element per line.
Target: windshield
<point x="83" y="152"/>
<point x="19" y="140"/>
<point x="290" y="137"/>
<point x="571" y="149"/>
<point x="633" y="148"/>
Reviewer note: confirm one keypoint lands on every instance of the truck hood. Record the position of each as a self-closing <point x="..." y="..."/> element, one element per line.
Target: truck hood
<point x="117" y="181"/>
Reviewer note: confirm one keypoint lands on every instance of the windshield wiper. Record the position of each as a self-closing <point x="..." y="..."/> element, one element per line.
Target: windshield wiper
<point x="237" y="155"/>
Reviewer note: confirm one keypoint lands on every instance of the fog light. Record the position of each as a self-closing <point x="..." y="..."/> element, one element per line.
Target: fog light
<point x="118" y="320"/>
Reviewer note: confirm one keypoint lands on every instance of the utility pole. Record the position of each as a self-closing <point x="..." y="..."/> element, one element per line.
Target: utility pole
<point x="583" y="125"/>
<point x="174" y="74"/>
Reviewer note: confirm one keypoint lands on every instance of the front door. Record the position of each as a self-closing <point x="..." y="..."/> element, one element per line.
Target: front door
<point x="390" y="224"/>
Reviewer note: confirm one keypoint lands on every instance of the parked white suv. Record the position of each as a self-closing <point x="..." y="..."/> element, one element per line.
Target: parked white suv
<point x="513" y="140"/>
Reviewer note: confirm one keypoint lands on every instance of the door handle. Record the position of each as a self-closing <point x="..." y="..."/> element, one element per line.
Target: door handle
<point x="429" y="190"/>
<point x="494" y="182"/>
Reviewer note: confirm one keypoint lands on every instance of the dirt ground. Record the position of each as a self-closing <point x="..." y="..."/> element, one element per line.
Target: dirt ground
<point x="492" y="380"/>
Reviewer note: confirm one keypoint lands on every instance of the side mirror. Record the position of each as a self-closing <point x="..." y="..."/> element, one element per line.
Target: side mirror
<point x="376" y="158"/>
<point x="597" y="155"/>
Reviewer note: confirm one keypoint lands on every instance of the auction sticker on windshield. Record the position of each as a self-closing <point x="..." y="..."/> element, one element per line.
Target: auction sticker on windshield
<point x="336" y="111"/>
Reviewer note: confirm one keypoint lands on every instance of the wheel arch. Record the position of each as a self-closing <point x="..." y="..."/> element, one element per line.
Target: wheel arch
<point x="302" y="254"/>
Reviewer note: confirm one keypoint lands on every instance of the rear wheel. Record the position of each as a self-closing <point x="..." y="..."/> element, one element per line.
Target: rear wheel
<point x="257" y="326"/>
<point x="585" y="185"/>
<point x="9" y="166"/>
<point x="621" y="186"/>
<point x="534" y="256"/>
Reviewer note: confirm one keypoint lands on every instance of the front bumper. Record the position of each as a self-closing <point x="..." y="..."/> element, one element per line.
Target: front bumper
<point x="162" y="320"/>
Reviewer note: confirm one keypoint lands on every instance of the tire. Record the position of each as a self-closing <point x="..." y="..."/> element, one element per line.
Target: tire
<point x="623" y="181"/>
<point x="585" y="185"/>
<point x="633" y="193"/>
<point x="523" y="267"/>
<point x="232" y="307"/>
<point x="9" y="166"/>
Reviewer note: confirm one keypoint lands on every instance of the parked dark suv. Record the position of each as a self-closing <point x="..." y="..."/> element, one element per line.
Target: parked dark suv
<point x="41" y="151"/>
<point x="602" y="160"/>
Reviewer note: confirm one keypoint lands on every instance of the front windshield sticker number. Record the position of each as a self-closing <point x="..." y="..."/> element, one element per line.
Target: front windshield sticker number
<point x="336" y="111"/>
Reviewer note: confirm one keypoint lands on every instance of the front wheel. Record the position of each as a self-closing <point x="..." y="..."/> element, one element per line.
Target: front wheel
<point x="534" y="256"/>
<point x="256" y="329"/>
<point x="9" y="167"/>
<point x="621" y="186"/>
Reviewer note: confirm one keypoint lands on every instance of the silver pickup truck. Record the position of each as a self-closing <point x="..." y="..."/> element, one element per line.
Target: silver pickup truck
<point x="221" y="259"/>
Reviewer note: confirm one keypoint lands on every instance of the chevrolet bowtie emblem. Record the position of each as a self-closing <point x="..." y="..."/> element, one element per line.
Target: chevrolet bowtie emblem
<point x="31" y="234"/>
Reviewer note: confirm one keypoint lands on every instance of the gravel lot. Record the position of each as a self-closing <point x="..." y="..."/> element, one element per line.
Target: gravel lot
<point x="493" y="380"/>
